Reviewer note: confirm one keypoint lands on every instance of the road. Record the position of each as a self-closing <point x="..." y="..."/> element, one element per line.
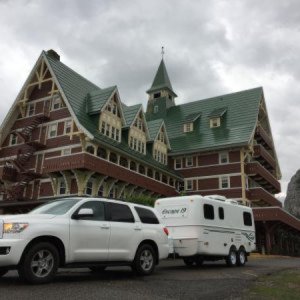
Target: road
<point x="172" y="280"/>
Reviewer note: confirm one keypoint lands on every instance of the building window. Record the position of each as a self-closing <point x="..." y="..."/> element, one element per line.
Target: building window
<point x="89" y="188"/>
<point x="223" y="158"/>
<point x="107" y="133"/>
<point x="66" y="151"/>
<point x="188" y="127"/>
<point x="100" y="191"/>
<point x="52" y="130"/>
<point x="247" y="219"/>
<point x="103" y="128"/>
<point x="30" y="109"/>
<point x="215" y="122"/>
<point x="13" y="140"/>
<point x="68" y="126"/>
<point x="224" y="182"/>
<point x="62" y="187"/>
<point x="189" y="161"/>
<point x="90" y="149"/>
<point x="117" y="135"/>
<point x="155" y="110"/>
<point x="178" y="163"/>
<point x="113" y="132"/>
<point x="57" y="102"/>
<point x="189" y="185"/>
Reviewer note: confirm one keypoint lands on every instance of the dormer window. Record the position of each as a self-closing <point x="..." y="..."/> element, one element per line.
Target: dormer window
<point x="215" y="117"/>
<point x="215" y="122"/>
<point x="188" y="127"/>
<point x="30" y="109"/>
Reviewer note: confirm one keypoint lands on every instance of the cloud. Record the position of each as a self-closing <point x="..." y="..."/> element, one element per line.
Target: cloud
<point x="212" y="47"/>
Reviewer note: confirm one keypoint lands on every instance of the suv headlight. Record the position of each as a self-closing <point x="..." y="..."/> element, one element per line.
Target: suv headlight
<point x="14" y="227"/>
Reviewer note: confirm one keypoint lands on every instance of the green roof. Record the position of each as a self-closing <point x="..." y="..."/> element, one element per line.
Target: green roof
<point x="237" y="125"/>
<point x="130" y="112"/>
<point x="76" y="88"/>
<point x="218" y="112"/>
<point x="192" y="117"/>
<point x="161" y="79"/>
<point x="154" y="127"/>
<point x="97" y="98"/>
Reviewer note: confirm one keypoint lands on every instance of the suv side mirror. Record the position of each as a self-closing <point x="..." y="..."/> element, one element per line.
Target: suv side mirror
<point x="83" y="213"/>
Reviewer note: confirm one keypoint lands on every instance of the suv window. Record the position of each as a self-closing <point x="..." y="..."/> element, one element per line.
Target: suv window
<point x="208" y="212"/>
<point x="146" y="215"/>
<point x="120" y="213"/>
<point x="98" y="209"/>
<point x="247" y="219"/>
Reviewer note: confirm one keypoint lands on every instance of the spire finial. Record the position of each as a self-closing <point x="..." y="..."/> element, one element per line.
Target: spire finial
<point x="162" y="52"/>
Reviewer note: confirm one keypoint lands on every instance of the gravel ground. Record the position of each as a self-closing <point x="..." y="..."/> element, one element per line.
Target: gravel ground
<point x="171" y="280"/>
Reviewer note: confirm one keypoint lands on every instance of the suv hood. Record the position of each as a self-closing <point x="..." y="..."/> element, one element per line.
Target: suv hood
<point x="26" y="217"/>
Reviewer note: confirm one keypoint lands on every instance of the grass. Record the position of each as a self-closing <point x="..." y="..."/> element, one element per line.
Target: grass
<point x="284" y="285"/>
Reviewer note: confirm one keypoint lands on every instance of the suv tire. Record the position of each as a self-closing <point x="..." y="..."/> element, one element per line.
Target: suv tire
<point x="39" y="264"/>
<point x="144" y="261"/>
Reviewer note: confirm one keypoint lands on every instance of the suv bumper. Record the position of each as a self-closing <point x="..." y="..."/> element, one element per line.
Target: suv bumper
<point x="10" y="251"/>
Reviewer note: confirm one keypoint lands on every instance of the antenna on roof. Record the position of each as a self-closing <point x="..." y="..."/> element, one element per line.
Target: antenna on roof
<point x="162" y="52"/>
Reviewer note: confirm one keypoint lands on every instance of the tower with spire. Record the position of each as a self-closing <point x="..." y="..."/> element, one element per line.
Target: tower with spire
<point x="161" y="94"/>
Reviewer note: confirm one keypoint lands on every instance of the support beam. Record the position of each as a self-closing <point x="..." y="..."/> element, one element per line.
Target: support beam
<point x="67" y="175"/>
<point x="108" y="186"/>
<point x="121" y="188"/>
<point x="54" y="183"/>
<point x="98" y="181"/>
<point x="82" y="177"/>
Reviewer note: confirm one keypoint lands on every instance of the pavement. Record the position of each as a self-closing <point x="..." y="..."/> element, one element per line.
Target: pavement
<point x="171" y="280"/>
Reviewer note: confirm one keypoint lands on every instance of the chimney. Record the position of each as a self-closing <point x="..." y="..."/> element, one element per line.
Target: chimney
<point x="53" y="54"/>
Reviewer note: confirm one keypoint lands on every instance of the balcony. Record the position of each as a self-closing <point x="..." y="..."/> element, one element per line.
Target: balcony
<point x="261" y="197"/>
<point x="276" y="214"/>
<point x="264" y="157"/>
<point x="8" y="174"/>
<point x="263" y="138"/>
<point x="263" y="177"/>
<point x="85" y="161"/>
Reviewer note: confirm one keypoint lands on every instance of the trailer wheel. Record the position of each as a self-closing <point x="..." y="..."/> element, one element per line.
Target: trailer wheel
<point x="189" y="261"/>
<point x="199" y="261"/>
<point x="231" y="259"/>
<point x="241" y="257"/>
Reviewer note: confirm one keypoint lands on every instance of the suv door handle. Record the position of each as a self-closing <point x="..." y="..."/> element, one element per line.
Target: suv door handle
<point x="105" y="226"/>
<point x="137" y="227"/>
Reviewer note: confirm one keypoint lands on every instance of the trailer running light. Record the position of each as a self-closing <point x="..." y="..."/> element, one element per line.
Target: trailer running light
<point x="166" y="231"/>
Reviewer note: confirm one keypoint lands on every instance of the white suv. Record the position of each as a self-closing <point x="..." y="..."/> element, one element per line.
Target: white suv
<point x="81" y="232"/>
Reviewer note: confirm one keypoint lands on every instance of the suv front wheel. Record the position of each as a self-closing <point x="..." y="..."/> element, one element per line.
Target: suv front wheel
<point x="40" y="263"/>
<point x="144" y="261"/>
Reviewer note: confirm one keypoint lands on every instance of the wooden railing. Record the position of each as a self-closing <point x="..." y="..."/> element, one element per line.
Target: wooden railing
<point x="264" y="135"/>
<point x="260" y="151"/>
<point x="107" y="168"/>
<point x="255" y="169"/>
<point x="263" y="195"/>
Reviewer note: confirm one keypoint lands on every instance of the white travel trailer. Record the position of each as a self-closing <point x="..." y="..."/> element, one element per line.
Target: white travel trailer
<point x="208" y="228"/>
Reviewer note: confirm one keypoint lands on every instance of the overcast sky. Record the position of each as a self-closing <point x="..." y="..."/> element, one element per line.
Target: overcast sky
<point x="211" y="48"/>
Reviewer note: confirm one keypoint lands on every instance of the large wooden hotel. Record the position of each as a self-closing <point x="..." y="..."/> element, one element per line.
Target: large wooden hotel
<point x="66" y="136"/>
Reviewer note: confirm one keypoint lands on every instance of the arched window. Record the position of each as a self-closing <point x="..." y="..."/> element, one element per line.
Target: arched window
<point x="141" y="169"/>
<point x="133" y="166"/>
<point x="150" y="173"/>
<point x="101" y="152"/>
<point x="113" y="158"/>
<point x="164" y="179"/>
<point x="157" y="176"/>
<point x="123" y="162"/>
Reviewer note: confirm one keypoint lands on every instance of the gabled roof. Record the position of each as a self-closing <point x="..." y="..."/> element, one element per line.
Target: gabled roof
<point x="192" y="117"/>
<point x="218" y="112"/>
<point x="97" y="98"/>
<point x="154" y="127"/>
<point x="75" y="89"/>
<point x="130" y="112"/>
<point x="236" y="129"/>
<point x="161" y="79"/>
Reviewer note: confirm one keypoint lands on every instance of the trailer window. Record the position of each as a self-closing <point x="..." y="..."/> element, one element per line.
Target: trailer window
<point x="208" y="212"/>
<point x="221" y="213"/>
<point x="247" y="219"/>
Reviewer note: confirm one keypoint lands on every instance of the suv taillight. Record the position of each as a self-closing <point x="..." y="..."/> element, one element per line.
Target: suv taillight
<point x="166" y="231"/>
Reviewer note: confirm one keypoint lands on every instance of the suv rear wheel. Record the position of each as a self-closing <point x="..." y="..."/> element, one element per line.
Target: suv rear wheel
<point x="3" y="271"/>
<point x="144" y="261"/>
<point x="40" y="263"/>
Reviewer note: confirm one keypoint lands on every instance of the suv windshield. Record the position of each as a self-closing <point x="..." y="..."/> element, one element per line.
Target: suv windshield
<point x="57" y="207"/>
